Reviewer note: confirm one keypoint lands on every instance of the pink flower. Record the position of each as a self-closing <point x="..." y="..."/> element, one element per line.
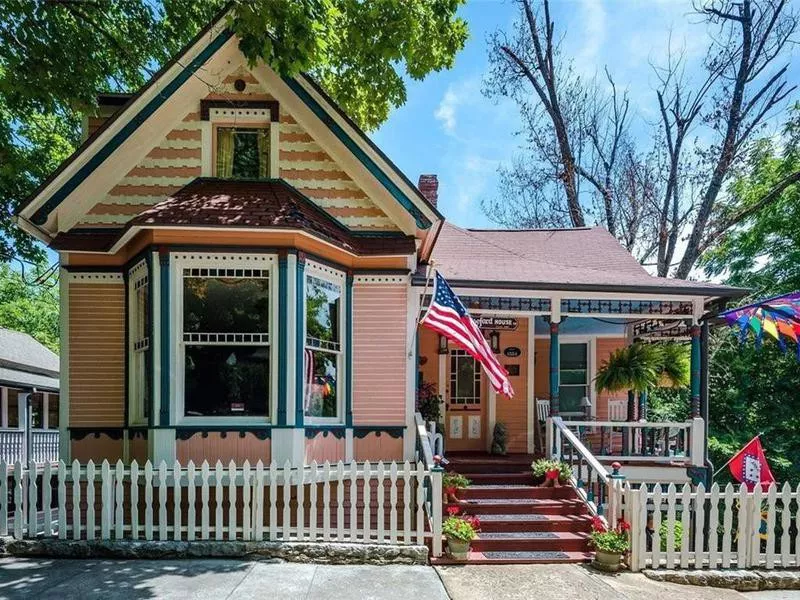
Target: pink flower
<point x="598" y="524"/>
<point x="453" y="510"/>
<point x="623" y="525"/>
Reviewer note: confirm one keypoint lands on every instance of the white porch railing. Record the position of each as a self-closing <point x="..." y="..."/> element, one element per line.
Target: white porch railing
<point x="667" y="442"/>
<point x="14" y="447"/>
<point x="433" y="492"/>
<point x="356" y="502"/>
<point x="707" y="529"/>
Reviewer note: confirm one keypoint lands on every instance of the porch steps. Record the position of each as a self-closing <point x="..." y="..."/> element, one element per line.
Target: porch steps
<point x="520" y="523"/>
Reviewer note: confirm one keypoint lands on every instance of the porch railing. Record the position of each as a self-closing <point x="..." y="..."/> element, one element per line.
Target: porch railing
<point x="14" y="445"/>
<point x="668" y="441"/>
<point x="381" y="503"/>
<point x="433" y="485"/>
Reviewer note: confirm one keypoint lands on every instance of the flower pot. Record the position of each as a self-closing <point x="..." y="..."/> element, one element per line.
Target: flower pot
<point x="458" y="549"/>
<point x="607" y="561"/>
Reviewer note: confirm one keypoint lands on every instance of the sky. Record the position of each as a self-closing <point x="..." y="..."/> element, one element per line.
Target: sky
<point x="449" y="128"/>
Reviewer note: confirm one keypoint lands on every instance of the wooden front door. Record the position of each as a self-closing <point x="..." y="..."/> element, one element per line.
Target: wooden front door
<point x="465" y="419"/>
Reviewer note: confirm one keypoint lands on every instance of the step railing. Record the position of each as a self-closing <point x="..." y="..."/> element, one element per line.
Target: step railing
<point x="381" y="503"/>
<point x="433" y="485"/>
<point x="592" y="481"/>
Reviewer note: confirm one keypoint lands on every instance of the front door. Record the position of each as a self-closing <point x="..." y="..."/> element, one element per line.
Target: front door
<point x="465" y="419"/>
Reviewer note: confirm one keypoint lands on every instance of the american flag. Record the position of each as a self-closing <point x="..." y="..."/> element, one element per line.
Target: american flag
<point x="448" y="316"/>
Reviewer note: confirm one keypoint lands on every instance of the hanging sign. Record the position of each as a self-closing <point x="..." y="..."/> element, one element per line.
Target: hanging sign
<point x="497" y="323"/>
<point x="512" y="352"/>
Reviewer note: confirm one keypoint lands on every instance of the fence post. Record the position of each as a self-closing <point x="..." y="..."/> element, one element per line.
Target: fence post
<point x="632" y="500"/>
<point x="436" y="505"/>
<point x="614" y="486"/>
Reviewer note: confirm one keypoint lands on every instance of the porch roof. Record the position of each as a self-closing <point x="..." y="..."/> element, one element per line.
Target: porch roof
<point x="24" y="362"/>
<point x="579" y="259"/>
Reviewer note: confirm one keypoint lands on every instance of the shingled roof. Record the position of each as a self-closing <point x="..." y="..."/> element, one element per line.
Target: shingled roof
<point x="24" y="362"/>
<point x="587" y="258"/>
<point x="269" y="204"/>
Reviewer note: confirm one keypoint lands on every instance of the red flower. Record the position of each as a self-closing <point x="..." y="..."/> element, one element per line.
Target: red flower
<point x="453" y="510"/>
<point x="451" y="489"/>
<point x="474" y="521"/>
<point x="598" y="524"/>
<point x="623" y="525"/>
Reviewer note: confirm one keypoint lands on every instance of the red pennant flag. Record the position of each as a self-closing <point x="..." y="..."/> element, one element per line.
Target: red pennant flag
<point x="750" y="467"/>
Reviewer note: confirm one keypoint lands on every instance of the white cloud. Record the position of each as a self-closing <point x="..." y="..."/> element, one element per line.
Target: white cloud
<point x="593" y="18"/>
<point x="464" y="92"/>
<point x="446" y="112"/>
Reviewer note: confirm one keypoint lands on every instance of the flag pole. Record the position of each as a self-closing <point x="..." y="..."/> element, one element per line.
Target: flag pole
<point x="734" y="456"/>
<point x="429" y="269"/>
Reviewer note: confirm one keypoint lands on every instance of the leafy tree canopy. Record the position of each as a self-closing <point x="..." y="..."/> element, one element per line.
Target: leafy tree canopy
<point x="29" y="303"/>
<point x="55" y="56"/>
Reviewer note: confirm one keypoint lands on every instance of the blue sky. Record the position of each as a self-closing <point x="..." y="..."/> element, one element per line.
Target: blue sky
<point x="449" y="128"/>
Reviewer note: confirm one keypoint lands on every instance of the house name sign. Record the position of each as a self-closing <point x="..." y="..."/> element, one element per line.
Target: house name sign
<point x="497" y="323"/>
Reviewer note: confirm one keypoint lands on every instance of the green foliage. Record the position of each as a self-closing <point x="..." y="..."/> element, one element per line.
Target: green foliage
<point x="455" y="480"/>
<point x="615" y="542"/>
<point x="458" y="528"/>
<point x="543" y="465"/>
<point x="642" y="367"/>
<point x="55" y="56"/>
<point x="677" y="535"/>
<point x="28" y="306"/>
<point x="429" y="402"/>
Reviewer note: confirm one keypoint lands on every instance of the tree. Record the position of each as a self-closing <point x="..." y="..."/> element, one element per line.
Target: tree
<point x="29" y="302"/>
<point x="682" y="178"/>
<point x="55" y="56"/>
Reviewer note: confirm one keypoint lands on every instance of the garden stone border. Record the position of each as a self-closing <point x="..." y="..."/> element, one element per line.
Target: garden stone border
<point x="735" y="579"/>
<point x="307" y="552"/>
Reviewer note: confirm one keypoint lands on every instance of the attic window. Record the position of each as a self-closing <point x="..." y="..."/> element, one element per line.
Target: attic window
<point x="242" y="152"/>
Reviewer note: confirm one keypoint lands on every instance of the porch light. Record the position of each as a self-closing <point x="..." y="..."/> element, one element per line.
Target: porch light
<point x="494" y="341"/>
<point x="442" y="344"/>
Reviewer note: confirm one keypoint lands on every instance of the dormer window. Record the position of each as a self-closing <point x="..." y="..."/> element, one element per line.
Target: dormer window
<point x="243" y="152"/>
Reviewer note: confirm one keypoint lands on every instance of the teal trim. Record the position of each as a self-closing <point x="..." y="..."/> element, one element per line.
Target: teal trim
<point x="300" y="342"/>
<point x="40" y="216"/>
<point x="150" y="356"/>
<point x="283" y="336"/>
<point x="695" y="371"/>
<point x="554" y="370"/>
<point x="422" y="221"/>
<point x="348" y="351"/>
<point x="163" y="298"/>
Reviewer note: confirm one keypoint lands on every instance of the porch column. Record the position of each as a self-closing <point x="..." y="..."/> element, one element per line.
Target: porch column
<point x="555" y="407"/>
<point x="695" y="371"/>
<point x="704" y="408"/>
<point x="643" y="405"/>
<point x="45" y="410"/>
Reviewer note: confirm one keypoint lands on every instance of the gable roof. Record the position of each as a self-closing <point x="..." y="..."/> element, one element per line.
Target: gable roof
<point x="35" y="211"/>
<point x="588" y="258"/>
<point x="25" y="362"/>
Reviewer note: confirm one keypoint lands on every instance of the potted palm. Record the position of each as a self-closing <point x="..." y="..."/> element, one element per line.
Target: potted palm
<point x="609" y="544"/>
<point x="459" y="532"/>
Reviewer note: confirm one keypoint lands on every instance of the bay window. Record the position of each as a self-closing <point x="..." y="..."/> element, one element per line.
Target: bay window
<point x="226" y="341"/>
<point x="322" y="374"/>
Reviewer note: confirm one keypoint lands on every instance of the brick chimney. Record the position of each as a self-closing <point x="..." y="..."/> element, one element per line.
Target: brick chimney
<point x="429" y="186"/>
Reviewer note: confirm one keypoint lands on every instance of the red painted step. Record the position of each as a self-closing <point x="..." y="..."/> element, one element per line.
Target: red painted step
<point x="531" y="541"/>
<point x="511" y="506"/>
<point x="477" y="491"/>
<point x="514" y="523"/>
<point x="517" y="477"/>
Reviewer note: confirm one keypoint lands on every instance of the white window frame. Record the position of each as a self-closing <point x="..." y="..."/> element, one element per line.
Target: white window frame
<point x="336" y="277"/>
<point x="138" y="277"/>
<point x="591" y="348"/>
<point x="257" y="118"/>
<point x="211" y="260"/>
<point x="463" y="401"/>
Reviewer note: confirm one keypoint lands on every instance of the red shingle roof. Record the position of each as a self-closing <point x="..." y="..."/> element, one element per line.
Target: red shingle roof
<point x="568" y="259"/>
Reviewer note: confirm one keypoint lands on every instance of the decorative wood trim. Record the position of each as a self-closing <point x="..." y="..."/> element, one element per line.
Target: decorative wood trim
<point x="381" y="279"/>
<point x="271" y="105"/>
<point x="105" y="277"/>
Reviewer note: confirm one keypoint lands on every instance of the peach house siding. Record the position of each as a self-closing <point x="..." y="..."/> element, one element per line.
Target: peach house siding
<point x="230" y="446"/>
<point x="604" y="349"/>
<point x="324" y="446"/>
<point x="378" y="446"/>
<point x="97" y="448"/>
<point x="379" y="354"/>
<point x="514" y="411"/>
<point x="428" y="354"/>
<point x="137" y="448"/>
<point x="96" y="354"/>
<point x="177" y="159"/>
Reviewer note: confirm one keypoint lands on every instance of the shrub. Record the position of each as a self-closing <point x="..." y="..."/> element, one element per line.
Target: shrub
<point x="499" y="439"/>
<point x="677" y="535"/>
<point x="454" y="481"/>
<point x="428" y="402"/>
<point x="614" y="541"/>
<point x="543" y="465"/>
<point x="460" y="528"/>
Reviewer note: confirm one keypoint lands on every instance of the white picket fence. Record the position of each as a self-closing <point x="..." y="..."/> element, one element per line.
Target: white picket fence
<point x="394" y="503"/>
<point x="706" y="529"/>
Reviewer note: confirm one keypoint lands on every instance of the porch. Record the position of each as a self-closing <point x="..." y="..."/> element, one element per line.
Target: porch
<point x="28" y="425"/>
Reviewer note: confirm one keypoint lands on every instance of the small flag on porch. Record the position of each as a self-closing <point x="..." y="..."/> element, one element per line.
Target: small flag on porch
<point x="448" y="315"/>
<point x="750" y="467"/>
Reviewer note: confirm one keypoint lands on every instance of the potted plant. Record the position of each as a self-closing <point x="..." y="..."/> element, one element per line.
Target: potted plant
<point x="500" y="439"/>
<point x="429" y="402"/>
<point x="451" y="484"/>
<point x="609" y="544"/>
<point x="459" y="532"/>
<point x="550" y="473"/>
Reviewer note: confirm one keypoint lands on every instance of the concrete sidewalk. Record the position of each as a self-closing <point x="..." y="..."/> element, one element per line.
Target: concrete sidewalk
<point x="576" y="582"/>
<point x="212" y="579"/>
